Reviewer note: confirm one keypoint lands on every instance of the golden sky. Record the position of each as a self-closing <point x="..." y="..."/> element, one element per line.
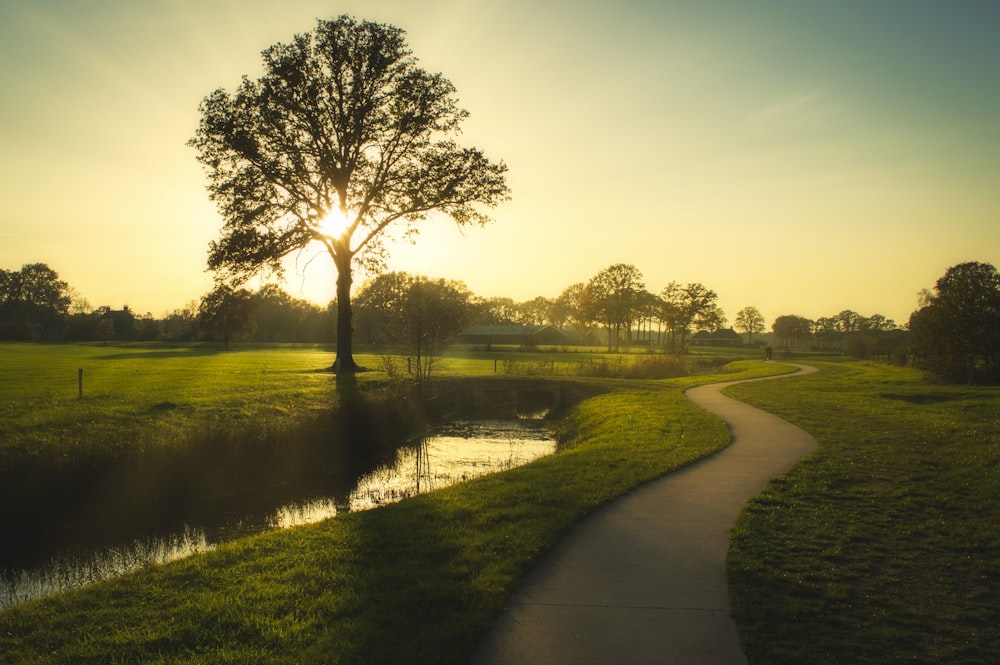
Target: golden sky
<point x="801" y="157"/>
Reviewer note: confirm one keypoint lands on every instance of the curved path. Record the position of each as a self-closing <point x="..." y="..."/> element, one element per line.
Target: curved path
<point x="643" y="580"/>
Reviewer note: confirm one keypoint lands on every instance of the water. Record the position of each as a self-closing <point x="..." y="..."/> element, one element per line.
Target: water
<point x="450" y="454"/>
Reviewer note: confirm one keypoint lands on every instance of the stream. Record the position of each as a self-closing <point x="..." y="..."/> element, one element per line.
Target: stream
<point x="448" y="454"/>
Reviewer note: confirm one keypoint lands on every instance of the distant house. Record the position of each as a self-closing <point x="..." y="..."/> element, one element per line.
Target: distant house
<point x="512" y="334"/>
<point x="723" y="337"/>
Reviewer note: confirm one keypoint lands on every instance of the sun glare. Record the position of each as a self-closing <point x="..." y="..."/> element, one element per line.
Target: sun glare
<point x="334" y="223"/>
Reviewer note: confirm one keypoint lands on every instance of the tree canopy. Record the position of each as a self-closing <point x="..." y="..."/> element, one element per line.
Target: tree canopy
<point x="615" y="292"/>
<point x="956" y="333"/>
<point x="750" y="320"/>
<point x="342" y="137"/>
<point x="33" y="295"/>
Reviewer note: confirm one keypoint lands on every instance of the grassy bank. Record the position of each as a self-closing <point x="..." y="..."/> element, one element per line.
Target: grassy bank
<point x="168" y="426"/>
<point x="414" y="582"/>
<point x="159" y="429"/>
<point x="883" y="547"/>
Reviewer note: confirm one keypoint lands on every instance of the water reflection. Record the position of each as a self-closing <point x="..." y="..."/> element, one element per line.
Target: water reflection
<point x="450" y="454"/>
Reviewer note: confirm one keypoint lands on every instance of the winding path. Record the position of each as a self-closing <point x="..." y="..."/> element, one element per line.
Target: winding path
<point x="643" y="580"/>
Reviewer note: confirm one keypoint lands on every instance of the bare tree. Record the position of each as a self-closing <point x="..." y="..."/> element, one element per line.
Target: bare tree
<point x="343" y="137"/>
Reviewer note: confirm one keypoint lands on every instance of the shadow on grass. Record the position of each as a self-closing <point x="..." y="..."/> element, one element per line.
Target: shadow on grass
<point x="163" y="354"/>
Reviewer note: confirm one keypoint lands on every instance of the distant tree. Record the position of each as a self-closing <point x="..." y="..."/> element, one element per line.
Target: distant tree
<point x="682" y="306"/>
<point x="282" y="318"/>
<point x="956" y="332"/>
<point x="615" y="293"/>
<point x="648" y="310"/>
<point x="147" y="328"/>
<point x="750" y="321"/>
<point x="343" y="123"/>
<point x="433" y="312"/>
<point x="228" y="313"/>
<point x="873" y="337"/>
<point x="496" y="311"/>
<point x="77" y="303"/>
<point x="182" y="324"/>
<point x="826" y="330"/>
<point x="535" y="312"/>
<point x="377" y="305"/>
<point x="576" y="306"/>
<point x="29" y="297"/>
<point x="711" y="319"/>
<point x="790" y="329"/>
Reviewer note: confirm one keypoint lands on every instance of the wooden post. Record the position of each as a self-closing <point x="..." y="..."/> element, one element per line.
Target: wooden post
<point x="79" y="382"/>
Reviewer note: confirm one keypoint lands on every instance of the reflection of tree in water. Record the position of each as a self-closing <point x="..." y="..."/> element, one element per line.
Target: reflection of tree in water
<point x="423" y="466"/>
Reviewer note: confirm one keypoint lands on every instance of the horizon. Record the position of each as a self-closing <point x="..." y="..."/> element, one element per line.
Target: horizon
<point x="801" y="160"/>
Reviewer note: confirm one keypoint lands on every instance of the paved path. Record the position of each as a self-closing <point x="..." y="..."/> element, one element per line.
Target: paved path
<point x="643" y="579"/>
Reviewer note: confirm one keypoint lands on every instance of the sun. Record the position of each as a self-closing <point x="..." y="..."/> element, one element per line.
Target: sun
<point x="334" y="223"/>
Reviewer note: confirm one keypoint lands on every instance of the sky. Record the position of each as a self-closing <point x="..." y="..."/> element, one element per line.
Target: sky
<point x="801" y="157"/>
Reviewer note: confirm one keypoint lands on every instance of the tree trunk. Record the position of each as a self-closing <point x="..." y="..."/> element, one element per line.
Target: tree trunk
<point x="344" y="362"/>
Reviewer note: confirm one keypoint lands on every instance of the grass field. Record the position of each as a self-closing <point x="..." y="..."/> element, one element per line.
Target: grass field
<point x="884" y="547"/>
<point x="881" y="548"/>
<point x="140" y="395"/>
<point x="431" y="571"/>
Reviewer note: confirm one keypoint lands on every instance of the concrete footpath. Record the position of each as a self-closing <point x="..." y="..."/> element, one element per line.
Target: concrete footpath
<point x="643" y="579"/>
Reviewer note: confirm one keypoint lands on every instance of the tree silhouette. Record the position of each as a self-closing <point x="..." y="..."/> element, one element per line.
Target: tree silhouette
<point x="956" y="333"/>
<point x="750" y="320"/>
<point x="616" y="293"/>
<point x="683" y="305"/>
<point x="228" y="313"/>
<point x="791" y="327"/>
<point x="343" y="123"/>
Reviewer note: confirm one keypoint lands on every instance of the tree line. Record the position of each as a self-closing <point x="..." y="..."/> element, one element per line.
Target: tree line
<point x="612" y="308"/>
<point x="955" y="333"/>
<point x="36" y="305"/>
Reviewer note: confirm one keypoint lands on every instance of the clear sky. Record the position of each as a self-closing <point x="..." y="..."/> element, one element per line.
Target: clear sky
<point x="800" y="156"/>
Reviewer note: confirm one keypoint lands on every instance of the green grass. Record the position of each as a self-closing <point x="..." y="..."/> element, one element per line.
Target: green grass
<point x="883" y="547"/>
<point x="415" y="582"/>
<point x="147" y="394"/>
<point x="132" y="394"/>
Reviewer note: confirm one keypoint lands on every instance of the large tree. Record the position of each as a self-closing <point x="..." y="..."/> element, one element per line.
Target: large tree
<point x="343" y="137"/>
<point x="29" y="297"/>
<point x="956" y="332"/>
